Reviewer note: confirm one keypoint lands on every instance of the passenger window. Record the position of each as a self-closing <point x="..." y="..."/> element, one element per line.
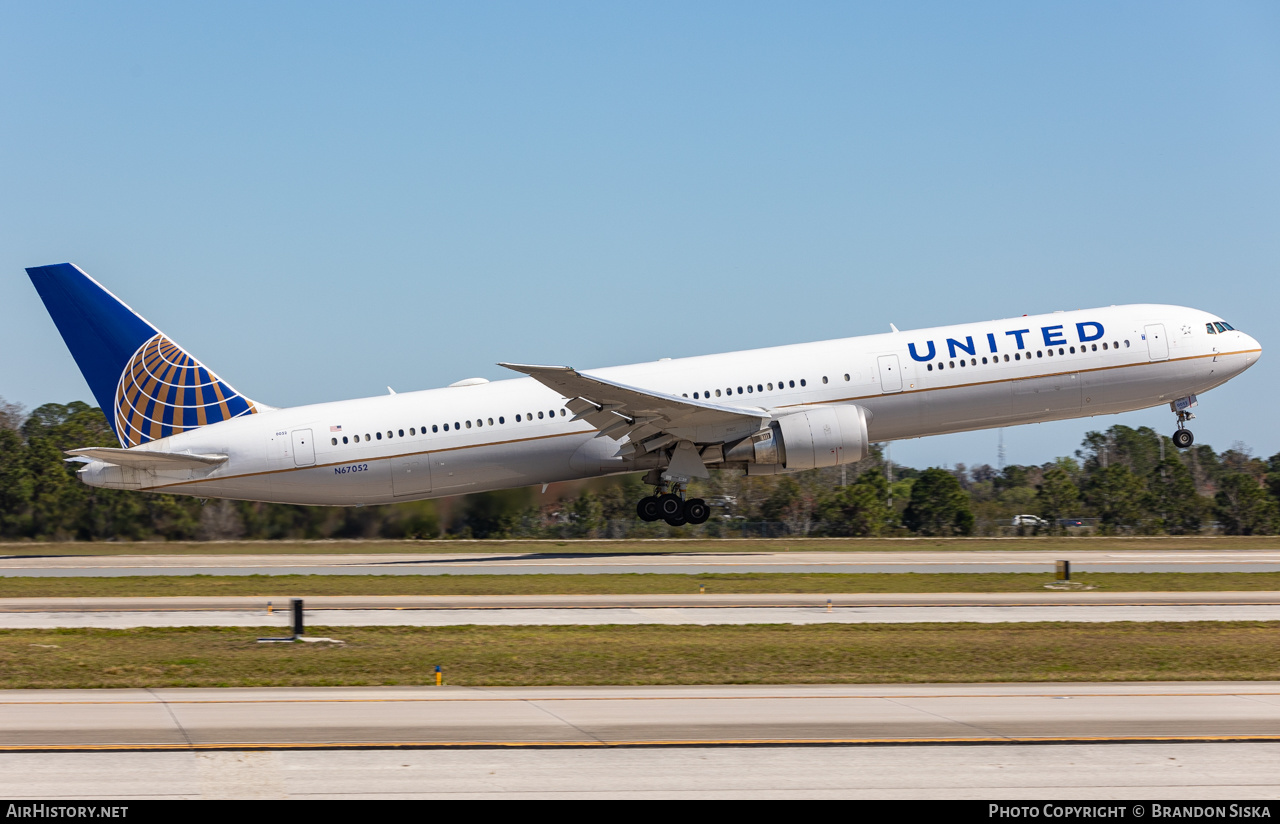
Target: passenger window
<point x="366" y="436"/>
<point x="1095" y="347"/>
<point x="1115" y="344"/>
<point x="717" y="393"/>
<point x="824" y="379"/>
<point x="1039" y="353"/>
<point x="739" y="390"/>
<point x="539" y="416"/>
<point x="411" y="431"/>
<point x="333" y="441"/>
<point x="759" y="388"/>
<point x="1061" y="351"/>
<point x="729" y="391"/>
<point x="344" y="438"/>
<point x="962" y="363"/>
<point x="1104" y="346"/>
<point x="1126" y="344"/>
<point x="468" y="424"/>
<point x="435" y="429"/>
<point x="491" y="421"/>
<point x="379" y="436"/>
<point x="401" y="432"/>
<point x="846" y="377"/>
<point x="930" y="367"/>
<point x="446" y="427"/>
<point x="562" y="413"/>
<point x="479" y="422"/>
<point x="1073" y="350"/>
<point x="802" y="383"/>
<point x="749" y="388"/>
<point x="457" y="425"/>
<point x="1017" y="356"/>
<point x="792" y="384"/>
<point x="984" y="361"/>
<point x="501" y="419"/>
<point x="695" y="396"/>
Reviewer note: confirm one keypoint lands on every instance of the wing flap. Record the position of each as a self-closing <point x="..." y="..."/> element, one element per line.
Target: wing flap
<point x="620" y="411"/>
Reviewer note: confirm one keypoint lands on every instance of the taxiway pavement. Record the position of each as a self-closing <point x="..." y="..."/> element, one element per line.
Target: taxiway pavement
<point x="602" y="717"/>
<point x="706" y="609"/>
<point x="657" y="562"/>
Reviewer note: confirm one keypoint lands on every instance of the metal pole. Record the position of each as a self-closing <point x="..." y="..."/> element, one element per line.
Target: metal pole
<point x="297" y="616"/>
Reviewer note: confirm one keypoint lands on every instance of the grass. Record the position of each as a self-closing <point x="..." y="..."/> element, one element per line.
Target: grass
<point x="651" y="546"/>
<point x="524" y="656"/>
<point x="624" y="584"/>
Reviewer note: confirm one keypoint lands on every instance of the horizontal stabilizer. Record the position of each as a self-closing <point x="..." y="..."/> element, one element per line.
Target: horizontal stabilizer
<point x="144" y="459"/>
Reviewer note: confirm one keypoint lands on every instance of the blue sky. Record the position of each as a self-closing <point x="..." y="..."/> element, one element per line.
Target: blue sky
<point x="320" y="200"/>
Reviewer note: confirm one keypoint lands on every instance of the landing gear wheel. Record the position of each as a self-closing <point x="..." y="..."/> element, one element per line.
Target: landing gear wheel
<point x="677" y="520"/>
<point x="1183" y="438"/>
<point x="696" y="511"/>
<point x="647" y="509"/>
<point x="670" y="506"/>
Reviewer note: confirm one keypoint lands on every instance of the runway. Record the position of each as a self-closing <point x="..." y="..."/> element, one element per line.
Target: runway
<point x="665" y="562"/>
<point x="561" y="610"/>
<point x="1115" y="740"/>
<point x="1086" y="772"/>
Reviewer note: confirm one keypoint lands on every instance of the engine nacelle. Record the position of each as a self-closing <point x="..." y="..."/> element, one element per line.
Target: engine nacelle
<point x="807" y="439"/>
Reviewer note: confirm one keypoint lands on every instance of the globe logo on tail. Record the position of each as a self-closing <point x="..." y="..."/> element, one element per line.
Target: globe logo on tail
<point x="164" y="391"/>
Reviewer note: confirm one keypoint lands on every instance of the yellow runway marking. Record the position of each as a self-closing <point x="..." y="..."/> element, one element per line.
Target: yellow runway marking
<point x="679" y="742"/>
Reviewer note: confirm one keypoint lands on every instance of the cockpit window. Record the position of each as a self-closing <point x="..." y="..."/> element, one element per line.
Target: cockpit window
<point x="1222" y="327"/>
<point x="1208" y="327"/>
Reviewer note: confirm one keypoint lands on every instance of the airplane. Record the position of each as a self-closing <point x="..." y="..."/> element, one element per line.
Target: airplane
<point x="184" y="430"/>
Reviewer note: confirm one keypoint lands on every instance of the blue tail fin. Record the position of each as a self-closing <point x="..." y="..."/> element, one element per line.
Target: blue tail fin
<point x="147" y="385"/>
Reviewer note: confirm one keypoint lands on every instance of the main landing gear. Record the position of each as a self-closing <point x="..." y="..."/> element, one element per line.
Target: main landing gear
<point x="670" y="505"/>
<point x="1183" y="438"/>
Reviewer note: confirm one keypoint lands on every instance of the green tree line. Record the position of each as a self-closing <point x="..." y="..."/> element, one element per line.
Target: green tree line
<point x="1120" y="481"/>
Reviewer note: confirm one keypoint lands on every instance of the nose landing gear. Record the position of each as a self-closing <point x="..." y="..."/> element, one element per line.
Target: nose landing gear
<point x="1183" y="438"/>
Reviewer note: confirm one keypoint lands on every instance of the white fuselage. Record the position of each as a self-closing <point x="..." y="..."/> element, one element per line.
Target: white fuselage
<point x="517" y="432"/>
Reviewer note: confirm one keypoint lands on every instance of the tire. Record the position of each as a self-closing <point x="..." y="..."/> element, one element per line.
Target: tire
<point x="1183" y="438"/>
<point x="676" y="520"/>
<point x="647" y="509"/>
<point x="696" y="511"/>
<point x="670" y="506"/>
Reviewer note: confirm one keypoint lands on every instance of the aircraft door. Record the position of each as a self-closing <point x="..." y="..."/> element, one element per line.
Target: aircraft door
<point x="1157" y="344"/>
<point x="890" y="373"/>
<point x="304" y="451"/>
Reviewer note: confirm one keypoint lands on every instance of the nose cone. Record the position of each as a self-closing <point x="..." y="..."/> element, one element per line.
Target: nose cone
<point x="1252" y="350"/>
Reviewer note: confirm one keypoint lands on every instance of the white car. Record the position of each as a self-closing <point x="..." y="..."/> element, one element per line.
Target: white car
<point x="1029" y="520"/>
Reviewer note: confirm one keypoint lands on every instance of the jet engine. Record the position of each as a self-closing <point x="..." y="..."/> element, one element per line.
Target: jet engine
<point x="806" y="439"/>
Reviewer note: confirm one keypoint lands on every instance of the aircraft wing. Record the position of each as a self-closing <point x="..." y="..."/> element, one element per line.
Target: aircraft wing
<point x="146" y="459"/>
<point x="649" y="420"/>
